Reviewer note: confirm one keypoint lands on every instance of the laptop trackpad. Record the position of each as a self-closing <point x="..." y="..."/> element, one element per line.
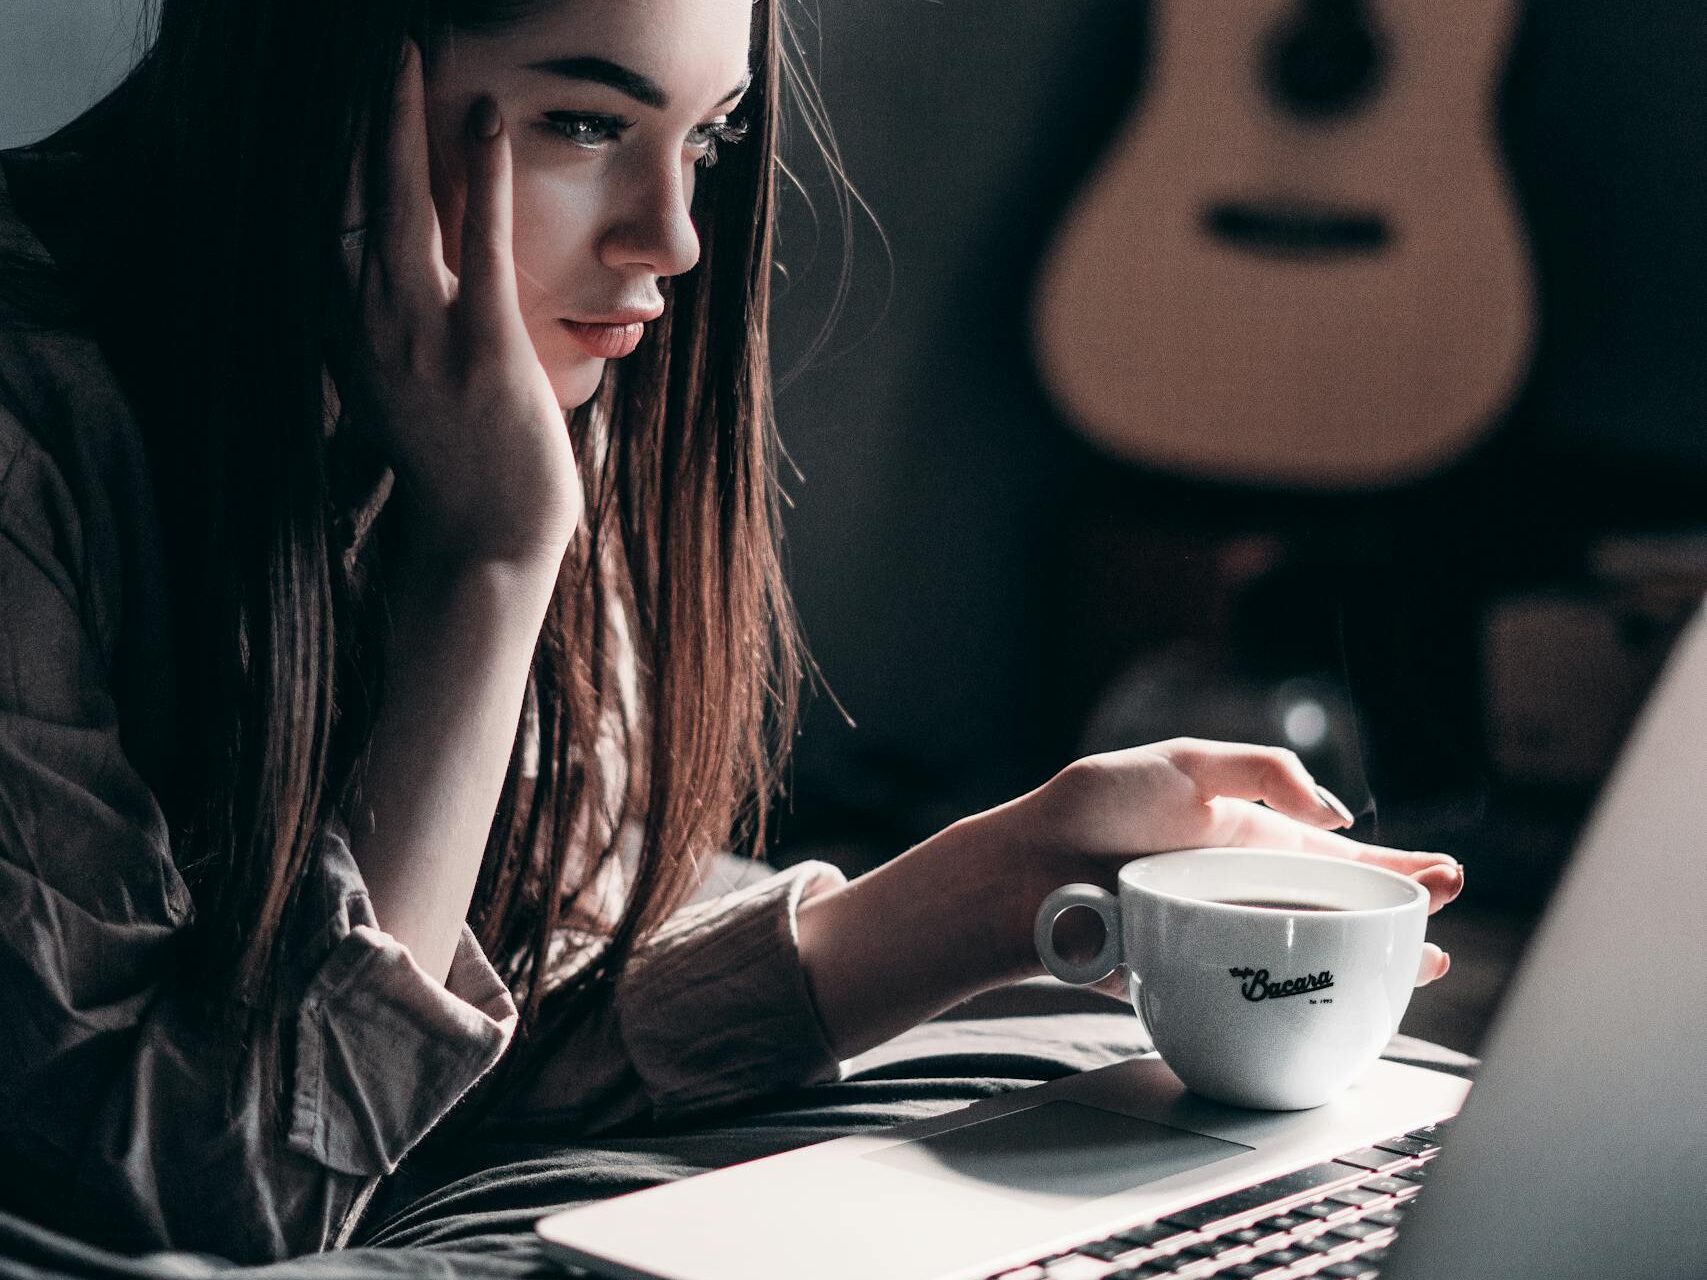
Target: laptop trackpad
<point x="1059" y="1154"/>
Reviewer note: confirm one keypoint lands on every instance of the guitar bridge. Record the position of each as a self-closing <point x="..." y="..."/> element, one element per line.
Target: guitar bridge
<point x="1294" y="230"/>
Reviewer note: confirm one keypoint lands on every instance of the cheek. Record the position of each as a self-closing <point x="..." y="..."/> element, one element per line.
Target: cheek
<point x="553" y="246"/>
<point x="556" y="276"/>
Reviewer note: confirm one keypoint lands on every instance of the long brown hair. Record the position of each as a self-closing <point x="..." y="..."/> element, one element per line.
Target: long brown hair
<point x="210" y="190"/>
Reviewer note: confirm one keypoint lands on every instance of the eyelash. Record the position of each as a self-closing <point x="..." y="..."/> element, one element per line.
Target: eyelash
<point x="575" y="126"/>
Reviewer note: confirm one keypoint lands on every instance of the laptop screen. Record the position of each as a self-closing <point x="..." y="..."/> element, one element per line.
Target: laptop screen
<point x="1583" y="1147"/>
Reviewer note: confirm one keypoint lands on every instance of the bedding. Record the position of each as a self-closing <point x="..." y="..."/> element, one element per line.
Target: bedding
<point x="468" y="1210"/>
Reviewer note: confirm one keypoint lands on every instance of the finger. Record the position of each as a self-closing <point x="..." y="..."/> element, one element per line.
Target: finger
<point x="354" y="220"/>
<point x="486" y="289"/>
<point x="1113" y="986"/>
<point x="1273" y="775"/>
<point x="355" y="186"/>
<point x="1444" y="882"/>
<point x="406" y="223"/>
<point x="1311" y="840"/>
<point x="1434" y="964"/>
<point x="1239" y="822"/>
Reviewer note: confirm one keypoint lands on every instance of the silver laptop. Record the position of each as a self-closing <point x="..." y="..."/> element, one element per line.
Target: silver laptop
<point x="1582" y="1151"/>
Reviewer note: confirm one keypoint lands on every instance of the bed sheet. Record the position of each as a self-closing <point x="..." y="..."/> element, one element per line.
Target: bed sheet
<point x="468" y="1211"/>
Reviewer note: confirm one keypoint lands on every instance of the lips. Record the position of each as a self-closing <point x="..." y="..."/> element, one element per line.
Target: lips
<point x="605" y="341"/>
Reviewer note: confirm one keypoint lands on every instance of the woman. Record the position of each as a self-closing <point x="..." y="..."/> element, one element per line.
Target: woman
<point x="448" y="702"/>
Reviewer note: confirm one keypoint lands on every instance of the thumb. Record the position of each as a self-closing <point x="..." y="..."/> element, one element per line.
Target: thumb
<point x="486" y="275"/>
<point x="1433" y="965"/>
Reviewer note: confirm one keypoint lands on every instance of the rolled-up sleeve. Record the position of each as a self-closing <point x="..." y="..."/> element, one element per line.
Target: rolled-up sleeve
<point x="717" y="1008"/>
<point x="383" y="1050"/>
<point x="713" y="1010"/>
<point x="125" y="1116"/>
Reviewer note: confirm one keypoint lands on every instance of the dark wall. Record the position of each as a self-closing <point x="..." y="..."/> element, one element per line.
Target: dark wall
<point x="937" y="541"/>
<point x="1607" y="128"/>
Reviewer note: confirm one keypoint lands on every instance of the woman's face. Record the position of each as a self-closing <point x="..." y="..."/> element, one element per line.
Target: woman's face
<point x="611" y="106"/>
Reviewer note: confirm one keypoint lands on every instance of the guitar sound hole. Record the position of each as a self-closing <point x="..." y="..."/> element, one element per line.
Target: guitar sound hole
<point x="1327" y="61"/>
<point x="1295" y="231"/>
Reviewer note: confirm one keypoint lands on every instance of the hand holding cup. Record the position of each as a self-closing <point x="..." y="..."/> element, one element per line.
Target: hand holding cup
<point x="1108" y="826"/>
<point x="1266" y="978"/>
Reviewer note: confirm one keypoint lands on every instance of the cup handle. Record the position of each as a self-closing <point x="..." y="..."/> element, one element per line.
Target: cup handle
<point x="1106" y="960"/>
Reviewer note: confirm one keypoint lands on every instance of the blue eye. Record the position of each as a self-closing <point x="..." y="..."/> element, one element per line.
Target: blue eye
<point x="709" y="136"/>
<point x="586" y="129"/>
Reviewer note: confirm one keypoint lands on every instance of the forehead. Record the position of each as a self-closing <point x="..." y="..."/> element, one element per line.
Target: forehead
<point x="691" y="47"/>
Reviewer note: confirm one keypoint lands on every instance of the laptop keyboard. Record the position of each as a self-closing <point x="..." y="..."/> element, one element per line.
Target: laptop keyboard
<point x="1333" y="1219"/>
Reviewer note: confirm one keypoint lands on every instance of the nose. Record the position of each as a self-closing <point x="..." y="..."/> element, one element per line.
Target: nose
<point x="653" y="228"/>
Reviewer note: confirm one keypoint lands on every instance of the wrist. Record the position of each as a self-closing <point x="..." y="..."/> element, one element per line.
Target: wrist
<point x="421" y="567"/>
<point x="498" y="605"/>
<point x="1011" y="872"/>
<point x="444" y="545"/>
<point x="918" y="935"/>
<point x="1023" y="866"/>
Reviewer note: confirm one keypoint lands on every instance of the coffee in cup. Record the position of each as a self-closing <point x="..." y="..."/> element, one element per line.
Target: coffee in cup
<point x="1267" y="978"/>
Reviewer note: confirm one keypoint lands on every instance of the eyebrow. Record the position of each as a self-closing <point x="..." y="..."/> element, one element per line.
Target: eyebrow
<point x="624" y="80"/>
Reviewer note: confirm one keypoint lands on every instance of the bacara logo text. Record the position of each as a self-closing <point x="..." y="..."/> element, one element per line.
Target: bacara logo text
<point x="1257" y="985"/>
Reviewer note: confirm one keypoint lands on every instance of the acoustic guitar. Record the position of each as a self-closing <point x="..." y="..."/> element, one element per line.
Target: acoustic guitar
<point x="1300" y="264"/>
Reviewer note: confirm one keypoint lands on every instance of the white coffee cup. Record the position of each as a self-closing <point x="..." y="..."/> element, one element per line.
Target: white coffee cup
<point x="1260" y="1006"/>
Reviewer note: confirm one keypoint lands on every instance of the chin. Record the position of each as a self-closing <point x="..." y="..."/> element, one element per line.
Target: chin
<point x="577" y="383"/>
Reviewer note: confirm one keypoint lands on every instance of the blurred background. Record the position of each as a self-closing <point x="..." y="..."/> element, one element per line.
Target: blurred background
<point x="1008" y="550"/>
<point x="1305" y="371"/>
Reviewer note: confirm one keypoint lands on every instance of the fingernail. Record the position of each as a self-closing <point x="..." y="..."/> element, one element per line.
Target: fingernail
<point x="484" y="120"/>
<point x="1452" y="864"/>
<point x="1335" y="805"/>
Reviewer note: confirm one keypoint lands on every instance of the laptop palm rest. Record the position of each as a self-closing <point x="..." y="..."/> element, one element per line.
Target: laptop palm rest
<point x="1058" y="1154"/>
<point x="937" y="1199"/>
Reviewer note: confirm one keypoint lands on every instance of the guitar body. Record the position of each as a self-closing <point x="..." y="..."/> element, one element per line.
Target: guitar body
<point x="1284" y="276"/>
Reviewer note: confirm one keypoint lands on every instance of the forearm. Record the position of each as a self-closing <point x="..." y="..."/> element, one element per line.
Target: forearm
<point x="457" y="653"/>
<point x="918" y="935"/>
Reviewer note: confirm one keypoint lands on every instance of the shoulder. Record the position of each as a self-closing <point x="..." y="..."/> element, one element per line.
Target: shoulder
<point x="73" y="472"/>
<point x="58" y="392"/>
<point x="49" y="357"/>
<point x="38" y="192"/>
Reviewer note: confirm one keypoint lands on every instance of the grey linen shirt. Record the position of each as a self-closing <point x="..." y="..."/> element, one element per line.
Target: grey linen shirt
<point x="123" y="1118"/>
